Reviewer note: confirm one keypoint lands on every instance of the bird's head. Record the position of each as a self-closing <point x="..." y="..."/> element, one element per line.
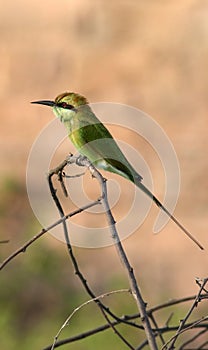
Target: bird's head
<point x="65" y="104"/>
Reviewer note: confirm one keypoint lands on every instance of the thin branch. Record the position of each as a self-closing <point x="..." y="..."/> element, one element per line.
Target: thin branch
<point x="162" y="330"/>
<point x="146" y="315"/>
<point x="106" y="326"/>
<point x="171" y="303"/>
<point x="23" y="248"/>
<point x="102" y="307"/>
<point x="182" y="323"/>
<point x="196" y="336"/>
<point x="121" y="252"/>
<point x="183" y="330"/>
<point x="151" y="316"/>
<point x="200" y="281"/>
<point x="127" y="318"/>
<point x="66" y="323"/>
<point x="203" y="344"/>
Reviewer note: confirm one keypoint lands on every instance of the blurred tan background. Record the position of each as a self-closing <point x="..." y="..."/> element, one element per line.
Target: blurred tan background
<point x="149" y="54"/>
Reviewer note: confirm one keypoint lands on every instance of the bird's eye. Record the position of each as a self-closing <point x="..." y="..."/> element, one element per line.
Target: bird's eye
<point x="65" y="105"/>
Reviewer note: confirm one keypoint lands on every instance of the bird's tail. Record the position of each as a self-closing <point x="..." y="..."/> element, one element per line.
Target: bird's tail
<point x="159" y="204"/>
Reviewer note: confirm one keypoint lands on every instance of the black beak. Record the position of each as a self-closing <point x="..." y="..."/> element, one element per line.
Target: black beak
<point x="45" y="102"/>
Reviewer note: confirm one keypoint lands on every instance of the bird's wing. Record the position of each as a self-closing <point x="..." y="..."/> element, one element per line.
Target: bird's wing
<point x="93" y="140"/>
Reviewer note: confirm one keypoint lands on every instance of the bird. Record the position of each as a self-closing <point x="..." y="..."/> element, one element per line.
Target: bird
<point x="93" y="140"/>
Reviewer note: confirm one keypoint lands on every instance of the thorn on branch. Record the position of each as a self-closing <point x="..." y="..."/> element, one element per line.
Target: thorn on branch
<point x="61" y="176"/>
<point x="167" y="323"/>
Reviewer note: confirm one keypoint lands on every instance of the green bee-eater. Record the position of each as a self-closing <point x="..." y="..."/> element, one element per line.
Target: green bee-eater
<point x="91" y="138"/>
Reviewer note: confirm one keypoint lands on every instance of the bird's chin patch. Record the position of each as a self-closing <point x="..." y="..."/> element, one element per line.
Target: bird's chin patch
<point x="56" y="112"/>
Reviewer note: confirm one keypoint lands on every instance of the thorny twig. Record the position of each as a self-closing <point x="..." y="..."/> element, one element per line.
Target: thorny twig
<point x="155" y="330"/>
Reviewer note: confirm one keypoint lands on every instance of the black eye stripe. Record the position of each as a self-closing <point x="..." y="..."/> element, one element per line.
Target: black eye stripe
<point x="65" y="105"/>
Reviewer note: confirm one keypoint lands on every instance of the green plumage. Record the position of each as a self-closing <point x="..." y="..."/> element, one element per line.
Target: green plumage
<point x="91" y="138"/>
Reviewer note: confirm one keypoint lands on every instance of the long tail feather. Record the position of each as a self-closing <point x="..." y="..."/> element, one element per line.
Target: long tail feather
<point x="159" y="204"/>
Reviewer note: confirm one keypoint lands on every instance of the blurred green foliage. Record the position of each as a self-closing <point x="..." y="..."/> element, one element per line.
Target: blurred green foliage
<point x="39" y="289"/>
<point x="109" y="51"/>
